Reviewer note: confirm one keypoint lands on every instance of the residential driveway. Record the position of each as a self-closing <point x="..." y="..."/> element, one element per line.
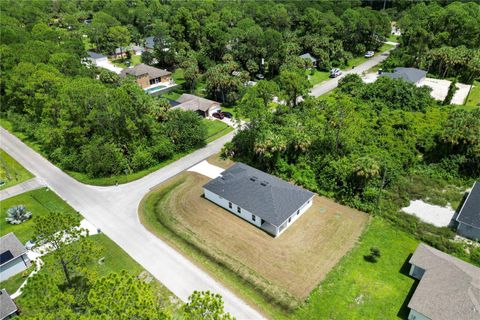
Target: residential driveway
<point x="207" y="169"/>
<point x="109" y="66"/>
<point x="20" y="188"/>
<point x="114" y="211"/>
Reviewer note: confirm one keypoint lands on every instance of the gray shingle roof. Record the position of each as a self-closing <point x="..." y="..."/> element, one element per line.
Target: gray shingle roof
<point x="308" y="56"/>
<point x="470" y="211"/>
<point x="7" y="306"/>
<point x="95" y="55"/>
<point x="408" y="74"/>
<point x="141" y="69"/>
<point x="149" y="42"/>
<point x="10" y="243"/>
<point x="270" y="198"/>
<point x="449" y="288"/>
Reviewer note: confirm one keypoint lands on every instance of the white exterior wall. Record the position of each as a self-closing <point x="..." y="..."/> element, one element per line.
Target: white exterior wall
<point x="414" y="315"/>
<point x="13" y="267"/>
<point x="244" y="214"/>
<point x="295" y="216"/>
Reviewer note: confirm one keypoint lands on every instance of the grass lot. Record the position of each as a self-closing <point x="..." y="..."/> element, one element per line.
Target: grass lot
<point x="329" y="229"/>
<point x="393" y="38"/>
<point x="216" y="129"/>
<point x="317" y="77"/>
<point x="40" y="202"/>
<point x="13" y="283"/>
<point x="122" y="63"/>
<point x="357" y="289"/>
<point x="473" y="99"/>
<point x="11" y="172"/>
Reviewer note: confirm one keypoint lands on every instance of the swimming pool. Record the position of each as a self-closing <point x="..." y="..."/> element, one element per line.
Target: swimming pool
<point x="155" y="89"/>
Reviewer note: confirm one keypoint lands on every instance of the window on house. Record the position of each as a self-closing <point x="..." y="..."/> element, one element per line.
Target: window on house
<point x="298" y="212"/>
<point x="230" y="205"/>
<point x="239" y="210"/>
<point x="253" y="217"/>
<point x="290" y="219"/>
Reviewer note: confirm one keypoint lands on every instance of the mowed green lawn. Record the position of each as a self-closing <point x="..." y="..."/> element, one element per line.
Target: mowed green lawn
<point x="317" y="76"/>
<point x="357" y="289"/>
<point x="473" y="100"/>
<point x="216" y="129"/>
<point x="40" y="202"/>
<point x="11" y="172"/>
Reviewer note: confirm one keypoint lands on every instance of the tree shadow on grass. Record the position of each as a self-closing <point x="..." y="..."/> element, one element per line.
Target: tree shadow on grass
<point x="404" y="270"/>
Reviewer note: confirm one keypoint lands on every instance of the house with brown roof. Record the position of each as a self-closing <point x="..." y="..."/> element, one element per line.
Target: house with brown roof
<point x="204" y="107"/>
<point x="148" y="77"/>
<point x="449" y="288"/>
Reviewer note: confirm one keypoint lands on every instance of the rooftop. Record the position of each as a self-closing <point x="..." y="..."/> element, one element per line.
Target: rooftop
<point x="308" y="56"/>
<point x="270" y="198"/>
<point x="449" y="288"/>
<point x="7" y="306"/>
<point x="149" y="42"/>
<point x="470" y="211"/>
<point x="10" y="248"/>
<point x="141" y="69"/>
<point x="95" y="55"/>
<point x="408" y="74"/>
<point x="192" y="102"/>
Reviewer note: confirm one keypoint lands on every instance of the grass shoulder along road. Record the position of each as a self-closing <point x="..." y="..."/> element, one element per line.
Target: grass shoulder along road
<point x="317" y="76"/>
<point x="216" y="129"/>
<point x="270" y="274"/>
<point x="40" y="202"/>
<point x="11" y="172"/>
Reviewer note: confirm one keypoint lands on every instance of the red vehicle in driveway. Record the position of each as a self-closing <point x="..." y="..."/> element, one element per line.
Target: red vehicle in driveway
<point x="218" y="115"/>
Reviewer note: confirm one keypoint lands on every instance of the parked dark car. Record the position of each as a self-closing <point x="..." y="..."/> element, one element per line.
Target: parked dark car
<point x="227" y="114"/>
<point x="218" y="115"/>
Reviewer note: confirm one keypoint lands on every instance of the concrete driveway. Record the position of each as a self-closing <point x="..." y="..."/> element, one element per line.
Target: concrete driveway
<point x="114" y="211"/>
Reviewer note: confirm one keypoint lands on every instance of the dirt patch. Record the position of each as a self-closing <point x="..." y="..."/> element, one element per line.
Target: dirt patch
<point x="216" y="160"/>
<point x="295" y="262"/>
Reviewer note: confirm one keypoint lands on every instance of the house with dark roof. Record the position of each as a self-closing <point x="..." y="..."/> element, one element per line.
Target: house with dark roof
<point x="307" y="56"/>
<point x="468" y="217"/>
<point x="13" y="256"/>
<point x="8" y="308"/>
<point x="265" y="201"/>
<point x="412" y="75"/>
<point x="204" y="107"/>
<point x="148" y="76"/>
<point x="449" y="288"/>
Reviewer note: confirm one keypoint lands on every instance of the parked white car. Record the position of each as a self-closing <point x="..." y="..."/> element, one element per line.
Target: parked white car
<point x="335" y="73"/>
<point x="369" y="54"/>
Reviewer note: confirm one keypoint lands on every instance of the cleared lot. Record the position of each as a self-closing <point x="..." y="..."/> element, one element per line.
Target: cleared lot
<point x="287" y="267"/>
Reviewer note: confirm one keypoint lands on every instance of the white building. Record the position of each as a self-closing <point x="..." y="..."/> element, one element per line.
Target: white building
<point x="13" y="256"/>
<point x="259" y="198"/>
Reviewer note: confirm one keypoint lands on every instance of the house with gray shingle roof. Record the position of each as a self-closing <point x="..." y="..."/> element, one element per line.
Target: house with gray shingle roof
<point x="13" y="256"/>
<point x="449" y="288"/>
<point x="309" y="57"/>
<point x="266" y="201"/>
<point x="8" y="308"/>
<point x="468" y="218"/>
<point x="412" y="75"/>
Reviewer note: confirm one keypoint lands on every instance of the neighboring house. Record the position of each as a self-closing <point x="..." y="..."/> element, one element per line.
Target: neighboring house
<point x="204" y="107"/>
<point x="96" y="58"/>
<point x="150" y="43"/>
<point x="449" y="288"/>
<point x="412" y="75"/>
<point x="309" y="57"/>
<point x="8" y="308"/>
<point x="147" y="76"/>
<point x="121" y="52"/>
<point x="137" y="50"/>
<point x="13" y="256"/>
<point x="468" y="218"/>
<point x="268" y="202"/>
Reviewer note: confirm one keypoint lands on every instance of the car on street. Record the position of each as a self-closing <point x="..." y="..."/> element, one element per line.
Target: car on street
<point x="218" y="115"/>
<point x="335" y="73"/>
<point x="369" y="54"/>
<point x="227" y="114"/>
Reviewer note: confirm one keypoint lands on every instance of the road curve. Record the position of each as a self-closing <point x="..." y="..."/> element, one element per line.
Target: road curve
<point x="114" y="210"/>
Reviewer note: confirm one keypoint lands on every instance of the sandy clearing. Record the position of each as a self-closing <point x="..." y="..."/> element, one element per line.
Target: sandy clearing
<point x="436" y="215"/>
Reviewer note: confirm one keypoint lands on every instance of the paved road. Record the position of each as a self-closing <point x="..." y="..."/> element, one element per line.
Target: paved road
<point x="114" y="210"/>
<point x="329" y="85"/>
<point x="20" y="188"/>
